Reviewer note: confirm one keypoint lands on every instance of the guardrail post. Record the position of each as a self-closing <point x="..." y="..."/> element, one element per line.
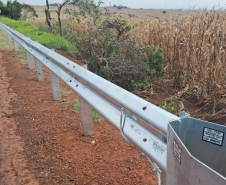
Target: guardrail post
<point x="31" y="64"/>
<point x="86" y="115"/>
<point x="9" y="37"/>
<point x="55" y="87"/>
<point x="39" y="70"/>
<point x="16" y="44"/>
<point x="5" y="32"/>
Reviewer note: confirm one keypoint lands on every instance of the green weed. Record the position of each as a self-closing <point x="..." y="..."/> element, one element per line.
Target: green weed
<point x="66" y="102"/>
<point x="65" y="92"/>
<point x="169" y="106"/>
<point x="95" y="115"/>
<point x="76" y="108"/>
<point x="145" y="84"/>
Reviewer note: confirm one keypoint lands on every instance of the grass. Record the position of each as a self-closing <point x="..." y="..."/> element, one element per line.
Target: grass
<point x="46" y="39"/>
<point x="24" y="61"/>
<point x="5" y="44"/>
<point x="65" y="92"/>
<point x="66" y="102"/>
<point x="170" y="106"/>
<point x="194" y="49"/>
<point x="95" y="115"/>
<point x="47" y="102"/>
<point x="23" y="58"/>
<point x="9" y="46"/>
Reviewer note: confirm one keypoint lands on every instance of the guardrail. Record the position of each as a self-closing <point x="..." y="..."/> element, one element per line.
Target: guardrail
<point x="141" y="123"/>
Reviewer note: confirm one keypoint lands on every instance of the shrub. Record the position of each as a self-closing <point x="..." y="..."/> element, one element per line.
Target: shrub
<point x="111" y="53"/>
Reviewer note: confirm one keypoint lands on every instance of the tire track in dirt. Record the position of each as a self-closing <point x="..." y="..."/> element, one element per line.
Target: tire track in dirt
<point x="13" y="165"/>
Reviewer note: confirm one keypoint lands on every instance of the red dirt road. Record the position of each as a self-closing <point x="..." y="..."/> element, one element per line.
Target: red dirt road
<point x="41" y="140"/>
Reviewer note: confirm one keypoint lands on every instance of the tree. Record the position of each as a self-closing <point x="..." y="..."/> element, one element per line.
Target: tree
<point x="48" y="16"/>
<point x="28" y="12"/>
<point x="58" y="11"/>
<point x="14" y="10"/>
<point x="2" y="8"/>
<point x="85" y="8"/>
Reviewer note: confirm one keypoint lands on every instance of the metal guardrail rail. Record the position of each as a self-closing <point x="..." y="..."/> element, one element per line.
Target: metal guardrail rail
<point x="141" y="123"/>
<point x="145" y="125"/>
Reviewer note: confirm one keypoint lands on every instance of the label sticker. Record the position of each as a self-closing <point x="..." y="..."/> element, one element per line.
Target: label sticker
<point x="177" y="151"/>
<point x="213" y="136"/>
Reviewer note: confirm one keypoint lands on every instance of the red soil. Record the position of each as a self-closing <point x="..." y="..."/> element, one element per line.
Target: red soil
<point x="41" y="140"/>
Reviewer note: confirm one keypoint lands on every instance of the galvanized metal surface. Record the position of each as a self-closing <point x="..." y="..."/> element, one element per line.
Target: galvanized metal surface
<point x="16" y="45"/>
<point x="39" y="70"/>
<point x="86" y="114"/>
<point x="55" y="86"/>
<point x="155" y="117"/>
<point x="31" y="64"/>
<point x="10" y="38"/>
<point x="146" y="126"/>
<point x="192" y="160"/>
<point x="155" y="147"/>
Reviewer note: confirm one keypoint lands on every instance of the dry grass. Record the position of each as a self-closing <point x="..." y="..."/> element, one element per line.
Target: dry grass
<point x="194" y="47"/>
<point x="193" y="44"/>
<point x="5" y="44"/>
<point x="142" y="14"/>
<point x="124" y="13"/>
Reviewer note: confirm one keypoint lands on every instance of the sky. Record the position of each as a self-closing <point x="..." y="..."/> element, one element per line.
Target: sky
<point x="155" y="4"/>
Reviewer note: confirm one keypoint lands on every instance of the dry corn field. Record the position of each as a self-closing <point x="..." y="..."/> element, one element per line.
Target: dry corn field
<point x="193" y="45"/>
<point x="194" y="48"/>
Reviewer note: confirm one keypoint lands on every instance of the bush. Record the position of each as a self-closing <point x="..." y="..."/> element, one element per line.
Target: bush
<point x="111" y="53"/>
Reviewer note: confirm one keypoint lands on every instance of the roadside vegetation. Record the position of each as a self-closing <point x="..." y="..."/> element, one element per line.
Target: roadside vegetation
<point x="104" y="43"/>
<point x="17" y="11"/>
<point x="49" y="40"/>
<point x="184" y="52"/>
<point x="194" y="49"/>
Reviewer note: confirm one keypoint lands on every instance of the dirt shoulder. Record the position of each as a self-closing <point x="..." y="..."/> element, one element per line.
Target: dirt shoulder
<point x="41" y="140"/>
<point x="13" y="164"/>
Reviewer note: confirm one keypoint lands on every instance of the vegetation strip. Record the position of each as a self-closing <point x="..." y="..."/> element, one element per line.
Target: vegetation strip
<point x="48" y="40"/>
